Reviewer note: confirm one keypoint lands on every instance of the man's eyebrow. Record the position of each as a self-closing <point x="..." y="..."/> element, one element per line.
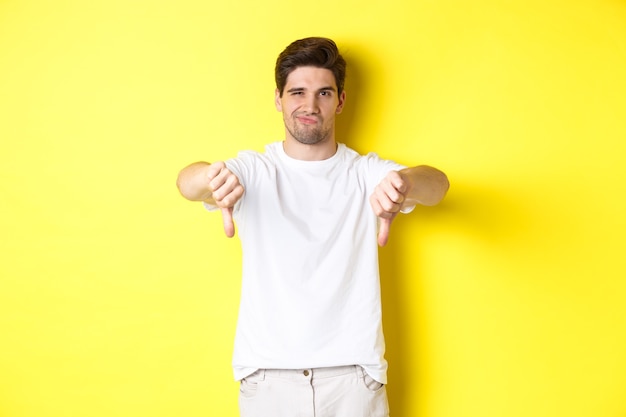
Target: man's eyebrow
<point x="297" y="89"/>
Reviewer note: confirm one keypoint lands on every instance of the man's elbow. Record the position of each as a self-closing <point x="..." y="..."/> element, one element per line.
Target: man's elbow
<point x="438" y="189"/>
<point x="185" y="188"/>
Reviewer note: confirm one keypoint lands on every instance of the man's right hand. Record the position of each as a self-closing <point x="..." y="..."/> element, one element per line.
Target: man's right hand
<point x="226" y="190"/>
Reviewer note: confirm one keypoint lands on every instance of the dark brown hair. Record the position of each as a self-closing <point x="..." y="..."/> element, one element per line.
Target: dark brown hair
<point x="314" y="52"/>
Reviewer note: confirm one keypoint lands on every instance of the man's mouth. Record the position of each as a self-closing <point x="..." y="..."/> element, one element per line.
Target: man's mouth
<point x="307" y="120"/>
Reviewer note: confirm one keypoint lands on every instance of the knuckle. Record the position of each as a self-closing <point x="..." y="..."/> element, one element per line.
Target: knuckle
<point x="398" y="198"/>
<point x="231" y="180"/>
<point x="388" y="205"/>
<point x="391" y="207"/>
<point x="214" y="187"/>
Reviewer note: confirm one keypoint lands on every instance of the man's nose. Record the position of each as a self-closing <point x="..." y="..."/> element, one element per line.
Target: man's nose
<point x="311" y="104"/>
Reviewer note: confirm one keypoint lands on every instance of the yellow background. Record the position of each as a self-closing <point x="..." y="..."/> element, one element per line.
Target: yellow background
<point x="118" y="298"/>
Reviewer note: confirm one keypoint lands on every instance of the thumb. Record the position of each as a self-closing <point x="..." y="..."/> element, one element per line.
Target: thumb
<point x="383" y="230"/>
<point x="227" y="219"/>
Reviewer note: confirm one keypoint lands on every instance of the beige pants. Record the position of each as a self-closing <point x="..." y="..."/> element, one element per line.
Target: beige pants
<point x="345" y="391"/>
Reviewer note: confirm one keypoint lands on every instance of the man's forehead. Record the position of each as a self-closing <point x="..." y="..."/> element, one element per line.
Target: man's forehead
<point x="311" y="77"/>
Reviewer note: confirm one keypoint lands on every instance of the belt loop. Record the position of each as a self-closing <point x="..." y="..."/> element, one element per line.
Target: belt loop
<point x="360" y="372"/>
<point x="262" y="374"/>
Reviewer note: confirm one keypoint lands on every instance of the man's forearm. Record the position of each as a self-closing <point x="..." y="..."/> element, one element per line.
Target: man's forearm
<point x="193" y="183"/>
<point x="427" y="185"/>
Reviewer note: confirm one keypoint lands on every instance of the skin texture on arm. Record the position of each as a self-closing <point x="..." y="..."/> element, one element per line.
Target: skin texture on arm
<point x="193" y="182"/>
<point x="427" y="186"/>
<point x="214" y="184"/>
<point x="422" y="185"/>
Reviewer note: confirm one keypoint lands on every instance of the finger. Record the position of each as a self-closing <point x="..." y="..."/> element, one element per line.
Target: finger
<point x="219" y="179"/>
<point x="214" y="169"/>
<point x="383" y="231"/>
<point x="397" y="181"/>
<point x="227" y="219"/>
<point x="225" y="186"/>
<point x="231" y="198"/>
<point x="395" y="196"/>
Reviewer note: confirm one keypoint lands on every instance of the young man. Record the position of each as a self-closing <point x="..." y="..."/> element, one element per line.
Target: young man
<point x="310" y="213"/>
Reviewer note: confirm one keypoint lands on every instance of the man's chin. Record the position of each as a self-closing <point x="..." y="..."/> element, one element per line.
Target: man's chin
<point x="309" y="140"/>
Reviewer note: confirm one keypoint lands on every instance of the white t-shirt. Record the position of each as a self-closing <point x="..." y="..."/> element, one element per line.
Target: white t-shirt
<point x="310" y="287"/>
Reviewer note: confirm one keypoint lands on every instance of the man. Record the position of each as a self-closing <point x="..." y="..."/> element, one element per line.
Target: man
<point x="309" y="212"/>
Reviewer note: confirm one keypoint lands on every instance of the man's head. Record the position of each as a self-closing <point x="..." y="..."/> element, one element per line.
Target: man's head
<point x="310" y="52"/>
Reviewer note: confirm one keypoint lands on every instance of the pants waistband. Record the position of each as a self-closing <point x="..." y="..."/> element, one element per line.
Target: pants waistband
<point x="312" y="372"/>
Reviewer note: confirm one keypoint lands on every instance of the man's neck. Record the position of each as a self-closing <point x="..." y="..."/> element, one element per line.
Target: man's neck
<point x="317" y="152"/>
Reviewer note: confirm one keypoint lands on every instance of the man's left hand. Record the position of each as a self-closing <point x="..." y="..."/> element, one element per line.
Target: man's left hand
<point x="387" y="201"/>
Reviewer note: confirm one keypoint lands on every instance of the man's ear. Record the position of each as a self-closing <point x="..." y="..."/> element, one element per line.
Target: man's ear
<point x="342" y="100"/>
<point x="277" y="102"/>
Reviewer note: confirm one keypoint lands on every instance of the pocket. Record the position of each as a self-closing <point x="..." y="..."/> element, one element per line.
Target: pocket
<point x="371" y="384"/>
<point x="249" y="386"/>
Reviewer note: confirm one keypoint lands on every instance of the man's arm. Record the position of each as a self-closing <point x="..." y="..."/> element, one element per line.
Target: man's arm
<point x="422" y="185"/>
<point x="214" y="184"/>
<point x="426" y="186"/>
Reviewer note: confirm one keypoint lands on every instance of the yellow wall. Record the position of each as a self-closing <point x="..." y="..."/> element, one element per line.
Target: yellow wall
<point x="118" y="298"/>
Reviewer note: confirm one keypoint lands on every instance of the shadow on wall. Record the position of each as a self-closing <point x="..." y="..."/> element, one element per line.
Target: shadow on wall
<point x="468" y="211"/>
<point x="356" y="88"/>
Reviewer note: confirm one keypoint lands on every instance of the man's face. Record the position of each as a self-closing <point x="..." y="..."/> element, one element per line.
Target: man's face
<point x="309" y="104"/>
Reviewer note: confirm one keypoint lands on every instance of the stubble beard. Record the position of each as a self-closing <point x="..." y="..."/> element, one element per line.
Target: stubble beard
<point x="308" y="135"/>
